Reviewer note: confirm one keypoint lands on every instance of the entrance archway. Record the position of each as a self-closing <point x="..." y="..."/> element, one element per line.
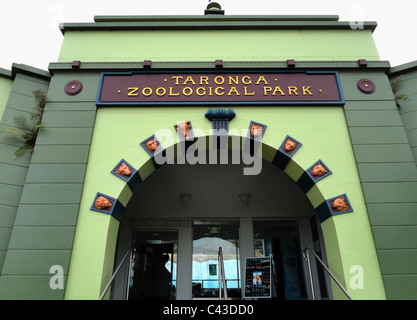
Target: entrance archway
<point x="174" y="196"/>
<point x="117" y="133"/>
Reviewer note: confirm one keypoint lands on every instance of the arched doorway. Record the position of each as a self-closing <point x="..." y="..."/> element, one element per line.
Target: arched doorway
<point x="96" y="234"/>
<point x="187" y="211"/>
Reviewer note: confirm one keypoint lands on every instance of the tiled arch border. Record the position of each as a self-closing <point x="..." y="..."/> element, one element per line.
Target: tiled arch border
<point x="276" y="156"/>
<point x="282" y="158"/>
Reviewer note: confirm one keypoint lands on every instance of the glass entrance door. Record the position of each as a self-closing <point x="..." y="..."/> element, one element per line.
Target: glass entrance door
<point x="208" y="237"/>
<point x="153" y="270"/>
<point x="280" y="240"/>
<point x="194" y="246"/>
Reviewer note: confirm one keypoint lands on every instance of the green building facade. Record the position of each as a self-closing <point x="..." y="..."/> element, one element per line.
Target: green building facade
<point x="92" y="189"/>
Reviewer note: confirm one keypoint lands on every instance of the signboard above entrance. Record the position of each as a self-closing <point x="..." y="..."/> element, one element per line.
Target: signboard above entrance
<point x="238" y="88"/>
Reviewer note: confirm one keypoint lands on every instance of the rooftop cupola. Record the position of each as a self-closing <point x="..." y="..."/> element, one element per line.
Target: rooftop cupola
<point x="213" y="8"/>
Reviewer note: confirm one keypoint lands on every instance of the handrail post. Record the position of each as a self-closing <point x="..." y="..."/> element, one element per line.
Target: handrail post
<point x="307" y="257"/>
<point x="327" y="270"/>
<point x="129" y="273"/>
<point x="114" y="274"/>
<point x="222" y="276"/>
<point x="224" y="281"/>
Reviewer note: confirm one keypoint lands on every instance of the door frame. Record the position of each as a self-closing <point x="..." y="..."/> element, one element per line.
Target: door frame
<point x="184" y="229"/>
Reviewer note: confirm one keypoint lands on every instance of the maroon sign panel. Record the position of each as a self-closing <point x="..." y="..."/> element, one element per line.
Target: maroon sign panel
<point x="221" y="88"/>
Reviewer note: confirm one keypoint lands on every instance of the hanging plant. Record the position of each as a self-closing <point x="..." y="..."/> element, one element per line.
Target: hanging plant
<point x="28" y="131"/>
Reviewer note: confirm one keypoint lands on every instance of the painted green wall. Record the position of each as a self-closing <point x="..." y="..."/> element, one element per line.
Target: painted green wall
<point x="6" y="84"/>
<point x="117" y="134"/>
<point x="206" y="45"/>
<point x="17" y="94"/>
<point x="404" y="79"/>
<point x="389" y="181"/>
<point x="397" y="222"/>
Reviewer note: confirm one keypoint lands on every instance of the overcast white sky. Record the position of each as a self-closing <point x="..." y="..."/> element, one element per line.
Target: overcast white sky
<point x="29" y="31"/>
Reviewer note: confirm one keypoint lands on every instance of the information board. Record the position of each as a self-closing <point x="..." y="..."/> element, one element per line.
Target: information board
<point x="258" y="277"/>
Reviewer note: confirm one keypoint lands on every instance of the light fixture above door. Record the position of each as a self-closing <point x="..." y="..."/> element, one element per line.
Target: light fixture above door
<point x="244" y="198"/>
<point x="185" y="199"/>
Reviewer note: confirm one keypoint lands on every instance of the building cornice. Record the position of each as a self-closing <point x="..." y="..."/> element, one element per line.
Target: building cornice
<point x="146" y="65"/>
<point x="215" y="22"/>
<point x="6" y="74"/>
<point x="403" y="68"/>
<point x="22" y="68"/>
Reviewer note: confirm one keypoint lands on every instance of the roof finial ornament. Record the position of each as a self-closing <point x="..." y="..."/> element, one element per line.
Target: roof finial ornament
<point x="214" y="8"/>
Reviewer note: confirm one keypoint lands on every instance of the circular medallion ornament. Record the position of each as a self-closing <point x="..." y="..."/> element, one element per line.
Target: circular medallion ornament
<point x="366" y="86"/>
<point x="73" y="87"/>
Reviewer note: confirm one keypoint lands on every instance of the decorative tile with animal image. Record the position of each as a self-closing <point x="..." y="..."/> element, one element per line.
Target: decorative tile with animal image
<point x="318" y="171"/>
<point x="151" y="145"/>
<point x="339" y="204"/>
<point x="123" y="170"/>
<point x="108" y="205"/>
<point x="256" y="130"/>
<point x="103" y="203"/>
<point x="184" y="130"/>
<point x="290" y="146"/>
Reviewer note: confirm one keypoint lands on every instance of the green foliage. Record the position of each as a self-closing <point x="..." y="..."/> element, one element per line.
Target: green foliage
<point x="28" y="130"/>
<point x="395" y="86"/>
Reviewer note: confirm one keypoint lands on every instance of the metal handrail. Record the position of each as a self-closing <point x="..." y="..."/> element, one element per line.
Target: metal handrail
<point x="307" y="257"/>
<point x="222" y="276"/>
<point x="115" y="272"/>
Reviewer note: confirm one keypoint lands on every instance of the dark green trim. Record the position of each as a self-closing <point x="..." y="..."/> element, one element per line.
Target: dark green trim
<point x="6" y="74"/>
<point x="24" y="69"/>
<point x="112" y="66"/>
<point x="161" y="18"/>
<point x="35" y="72"/>
<point x="403" y="68"/>
<point x="213" y="22"/>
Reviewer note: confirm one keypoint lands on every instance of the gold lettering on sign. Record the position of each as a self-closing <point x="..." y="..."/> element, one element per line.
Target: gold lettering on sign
<point x="202" y="93"/>
<point x="147" y="91"/>
<point x="161" y="91"/>
<point x="217" y="91"/>
<point x="246" y="80"/>
<point x="233" y="89"/>
<point x="292" y="90"/>
<point x="261" y="78"/>
<point x="173" y="94"/>
<point x="266" y="90"/>
<point x="187" y="91"/>
<point x="176" y="78"/>
<point x="189" y="79"/>
<point x="248" y="93"/>
<point x="306" y="89"/>
<point x="278" y="89"/>
<point x="204" y="80"/>
<point x="235" y="80"/>
<point x="219" y="80"/>
<point x="220" y="85"/>
<point x="132" y="92"/>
